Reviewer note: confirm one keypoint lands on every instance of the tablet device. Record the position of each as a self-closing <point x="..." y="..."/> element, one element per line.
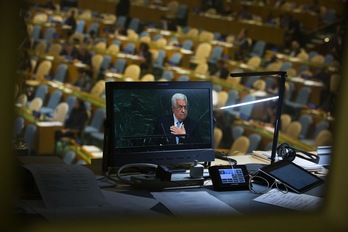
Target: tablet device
<point x="291" y="175"/>
<point x="229" y="177"/>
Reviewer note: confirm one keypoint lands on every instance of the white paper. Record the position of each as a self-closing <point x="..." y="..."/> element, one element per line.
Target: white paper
<point x="184" y="204"/>
<point x="62" y="185"/>
<point x="290" y="200"/>
<point x="120" y="206"/>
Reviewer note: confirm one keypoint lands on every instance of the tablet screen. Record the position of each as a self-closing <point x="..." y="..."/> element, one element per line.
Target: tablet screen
<point x="292" y="175"/>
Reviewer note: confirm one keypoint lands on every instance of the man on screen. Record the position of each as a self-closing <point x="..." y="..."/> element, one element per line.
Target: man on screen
<point x="178" y="128"/>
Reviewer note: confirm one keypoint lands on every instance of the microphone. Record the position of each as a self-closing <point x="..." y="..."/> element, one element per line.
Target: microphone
<point x="164" y="131"/>
<point x="281" y="90"/>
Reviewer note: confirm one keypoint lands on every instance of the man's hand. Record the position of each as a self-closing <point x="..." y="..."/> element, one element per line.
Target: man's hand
<point x="176" y="130"/>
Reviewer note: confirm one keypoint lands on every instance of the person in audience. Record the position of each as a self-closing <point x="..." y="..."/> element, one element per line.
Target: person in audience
<point x="84" y="55"/>
<point x="221" y="70"/>
<point x="242" y="41"/>
<point x="168" y="24"/>
<point x="123" y="9"/>
<point x="69" y="51"/>
<point x="71" y="21"/>
<point x="244" y="13"/>
<point x="177" y="123"/>
<point x="120" y="30"/>
<point x="84" y="81"/>
<point x="75" y="122"/>
<point x="335" y="43"/>
<point x="292" y="31"/>
<point x="295" y="48"/>
<point x="144" y="51"/>
<point x="224" y="120"/>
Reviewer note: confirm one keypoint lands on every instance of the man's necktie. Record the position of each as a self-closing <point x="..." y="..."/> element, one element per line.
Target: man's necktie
<point x="178" y="124"/>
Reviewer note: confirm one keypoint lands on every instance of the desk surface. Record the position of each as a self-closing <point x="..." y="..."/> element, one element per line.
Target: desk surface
<point x="241" y="202"/>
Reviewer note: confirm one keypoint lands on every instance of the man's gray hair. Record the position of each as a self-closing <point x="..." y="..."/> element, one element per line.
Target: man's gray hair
<point x="178" y="96"/>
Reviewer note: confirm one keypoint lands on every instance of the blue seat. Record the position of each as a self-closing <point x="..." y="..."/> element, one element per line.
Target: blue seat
<point x="157" y="37"/>
<point x="40" y="92"/>
<point x="215" y="55"/>
<point x="143" y="34"/>
<point x="95" y="124"/>
<point x="93" y="27"/>
<point x="168" y="75"/>
<point x="187" y="44"/>
<point x="270" y="82"/>
<point x="129" y="48"/>
<point x="97" y="138"/>
<point x="247" y="110"/>
<point x="49" y="34"/>
<point x="52" y="103"/>
<point x="158" y="63"/>
<point x="237" y="131"/>
<point x="106" y="62"/>
<point x="306" y="121"/>
<point x="302" y="68"/>
<point x="80" y="26"/>
<point x="233" y="98"/>
<point x="217" y="87"/>
<point x="181" y="14"/>
<point x="183" y="77"/>
<point x="217" y="35"/>
<point x="175" y="59"/>
<point x="29" y="134"/>
<point x="301" y="99"/>
<point x="134" y="24"/>
<point x="286" y="65"/>
<point x="36" y="32"/>
<point x="255" y="140"/>
<point x="120" y="65"/>
<point x="258" y="49"/>
<point x="69" y="157"/>
<point x="60" y="73"/>
<point x="121" y="20"/>
<point x="117" y="42"/>
<point x="250" y="80"/>
<point x="70" y="100"/>
<point x="18" y="125"/>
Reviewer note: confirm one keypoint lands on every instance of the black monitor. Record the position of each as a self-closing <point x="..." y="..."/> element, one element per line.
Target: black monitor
<point x="138" y="120"/>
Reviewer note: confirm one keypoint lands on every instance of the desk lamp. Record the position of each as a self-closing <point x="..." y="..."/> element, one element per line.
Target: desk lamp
<point x="282" y="75"/>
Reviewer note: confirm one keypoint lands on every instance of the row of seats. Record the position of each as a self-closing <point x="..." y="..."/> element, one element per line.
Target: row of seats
<point x="169" y="72"/>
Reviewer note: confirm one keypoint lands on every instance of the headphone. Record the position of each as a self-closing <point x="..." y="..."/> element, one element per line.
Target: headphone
<point x="287" y="152"/>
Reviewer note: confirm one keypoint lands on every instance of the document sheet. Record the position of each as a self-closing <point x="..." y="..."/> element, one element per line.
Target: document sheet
<point x="290" y="200"/>
<point x="184" y="204"/>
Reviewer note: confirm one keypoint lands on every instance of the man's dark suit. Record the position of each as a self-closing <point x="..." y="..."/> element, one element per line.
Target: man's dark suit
<point x="163" y="124"/>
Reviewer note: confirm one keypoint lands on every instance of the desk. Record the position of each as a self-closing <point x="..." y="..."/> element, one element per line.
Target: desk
<point x="44" y="142"/>
<point x="169" y="50"/>
<point x="240" y="203"/>
<point x="149" y="14"/>
<point x="226" y="26"/>
<point x="309" y="20"/>
<point x="97" y="102"/>
<point x="228" y="48"/>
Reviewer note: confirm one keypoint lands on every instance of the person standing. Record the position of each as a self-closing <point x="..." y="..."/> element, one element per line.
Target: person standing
<point x="177" y="128"/>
